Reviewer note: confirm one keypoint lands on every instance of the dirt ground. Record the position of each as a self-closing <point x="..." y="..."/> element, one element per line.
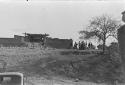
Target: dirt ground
<point x="18" y="58"/>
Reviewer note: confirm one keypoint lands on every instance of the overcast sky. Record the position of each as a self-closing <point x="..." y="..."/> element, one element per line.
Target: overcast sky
<point x="61" y="19"/>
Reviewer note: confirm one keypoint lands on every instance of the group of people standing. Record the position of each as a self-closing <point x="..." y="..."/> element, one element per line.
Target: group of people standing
<point x="83" y="45"/>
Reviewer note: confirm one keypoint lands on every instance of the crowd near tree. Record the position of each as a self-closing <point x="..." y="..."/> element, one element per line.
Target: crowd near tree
<point x="101" y="27"/>
<point x="83" y="45"/>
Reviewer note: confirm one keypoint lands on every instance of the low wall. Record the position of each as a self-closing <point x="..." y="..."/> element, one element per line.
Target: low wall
<point x="59" y="43"/>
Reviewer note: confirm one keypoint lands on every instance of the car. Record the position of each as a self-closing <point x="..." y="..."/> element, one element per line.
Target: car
<point x="11" y="78"/>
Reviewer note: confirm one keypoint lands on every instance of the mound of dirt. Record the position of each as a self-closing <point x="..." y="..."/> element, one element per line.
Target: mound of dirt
<point x="72" y="65"/>
<point x="97" y="68"/>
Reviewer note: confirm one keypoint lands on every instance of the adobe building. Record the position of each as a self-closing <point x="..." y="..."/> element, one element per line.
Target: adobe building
<point x="59" y="43"/>
<point x="11" y="42"/>
<point x="36" y="40"/>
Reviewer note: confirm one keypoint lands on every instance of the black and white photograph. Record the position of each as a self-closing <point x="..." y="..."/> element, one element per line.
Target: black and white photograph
<point x="62" y="42"/>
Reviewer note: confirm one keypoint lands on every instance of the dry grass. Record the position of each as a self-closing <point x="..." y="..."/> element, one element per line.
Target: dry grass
<point x="22" y="59"/>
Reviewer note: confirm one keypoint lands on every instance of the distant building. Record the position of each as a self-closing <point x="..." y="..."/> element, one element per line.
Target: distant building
<point x="11" y="42"/>
<point x="59" y="43"/>
<point x="36" y="40"/>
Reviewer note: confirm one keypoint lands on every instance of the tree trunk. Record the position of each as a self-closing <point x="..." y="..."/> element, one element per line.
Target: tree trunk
<point x="104" y="41"/>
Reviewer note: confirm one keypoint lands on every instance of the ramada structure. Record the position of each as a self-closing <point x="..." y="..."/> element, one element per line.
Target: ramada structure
<point x="36" y="40"/>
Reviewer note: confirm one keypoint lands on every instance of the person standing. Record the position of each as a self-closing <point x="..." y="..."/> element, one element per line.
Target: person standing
<point x="75" y="45"/>
<point x="121" y="42"/>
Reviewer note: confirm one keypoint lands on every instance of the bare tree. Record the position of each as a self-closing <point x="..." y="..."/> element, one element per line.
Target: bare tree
<point x="101" y="27"/>
<point x="114" y="33"/>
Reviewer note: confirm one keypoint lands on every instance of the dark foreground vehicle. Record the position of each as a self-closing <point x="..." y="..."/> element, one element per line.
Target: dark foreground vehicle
<point x="11" y="78"/>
